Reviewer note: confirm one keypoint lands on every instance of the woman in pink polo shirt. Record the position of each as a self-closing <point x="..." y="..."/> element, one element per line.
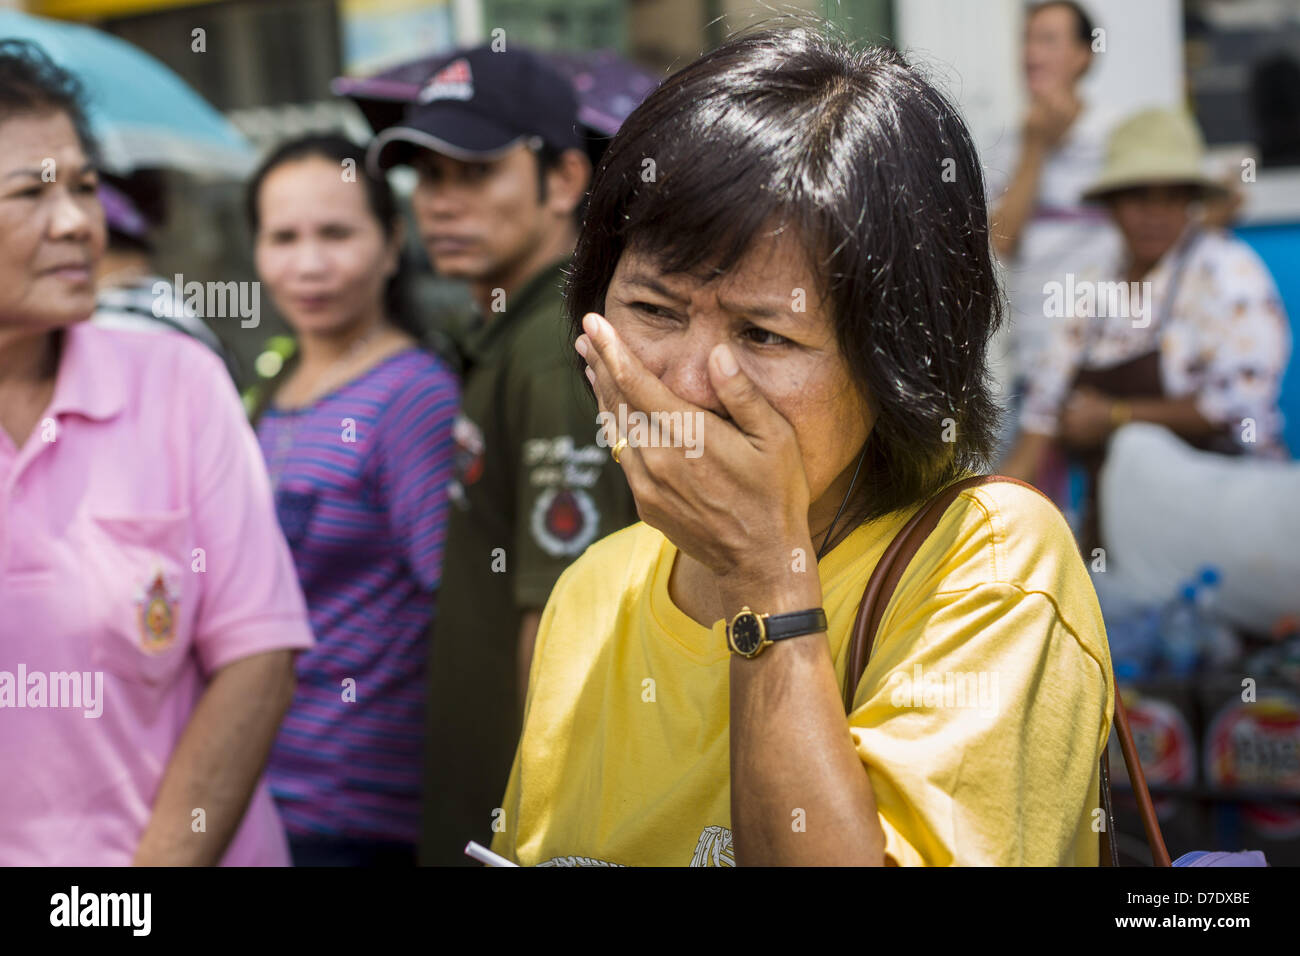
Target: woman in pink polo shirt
<point x="150" y="610"/>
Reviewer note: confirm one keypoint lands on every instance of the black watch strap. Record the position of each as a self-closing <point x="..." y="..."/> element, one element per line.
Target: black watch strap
<point x="795" y="624"/>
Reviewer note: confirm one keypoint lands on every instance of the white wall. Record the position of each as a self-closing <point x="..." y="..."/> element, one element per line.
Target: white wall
<point x="468" y="18"/>
<point x="972" y="51"/>
<point x="1143" y="62"/>
<point x="973" y="48"/>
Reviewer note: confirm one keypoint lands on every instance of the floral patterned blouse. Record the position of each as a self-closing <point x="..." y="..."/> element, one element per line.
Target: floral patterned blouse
<point x="1224" y="338"/>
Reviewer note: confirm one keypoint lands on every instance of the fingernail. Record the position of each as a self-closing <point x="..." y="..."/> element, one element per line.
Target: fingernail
<point x="727" y="362"/>
<point x="581" y="345"/>
<point x="591" y="324"/>
<point x="591" y="376"/>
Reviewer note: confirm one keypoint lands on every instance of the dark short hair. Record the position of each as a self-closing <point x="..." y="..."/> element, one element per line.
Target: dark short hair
<point x="877" y="173"/>
<point x="32" y="83"/>
<point x="1083" y="25"/>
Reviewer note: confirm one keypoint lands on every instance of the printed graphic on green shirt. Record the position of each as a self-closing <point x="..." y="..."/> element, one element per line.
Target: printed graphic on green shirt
<point x="564" y="517"/>
<point x="468" y="463"/>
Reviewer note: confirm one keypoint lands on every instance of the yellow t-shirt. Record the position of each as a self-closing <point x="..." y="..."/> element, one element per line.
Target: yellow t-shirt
<point x="980" y="718"/>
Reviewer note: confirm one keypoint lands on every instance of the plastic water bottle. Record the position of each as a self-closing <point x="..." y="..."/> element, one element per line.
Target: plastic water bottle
<point x="1221" y="646"/>
<point x="1134" y="640"/>
<point x="1181" y="633"/>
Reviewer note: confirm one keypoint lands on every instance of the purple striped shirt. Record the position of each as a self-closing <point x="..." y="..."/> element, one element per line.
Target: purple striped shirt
<point x="361" y="479"/>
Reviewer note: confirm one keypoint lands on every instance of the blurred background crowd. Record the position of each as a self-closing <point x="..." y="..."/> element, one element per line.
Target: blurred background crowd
<point x="1143" y="175"/>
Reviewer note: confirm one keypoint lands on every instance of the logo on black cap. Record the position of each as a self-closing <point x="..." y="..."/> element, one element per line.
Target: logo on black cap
<point x="454" y="81"/>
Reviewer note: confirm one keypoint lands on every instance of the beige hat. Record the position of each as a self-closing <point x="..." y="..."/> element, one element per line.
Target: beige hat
<point x="1154" y="147"/>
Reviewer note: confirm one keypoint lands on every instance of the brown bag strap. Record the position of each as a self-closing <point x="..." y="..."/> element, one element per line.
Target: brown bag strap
<point x="875" y="598"/>
<point x="889" y="569"/>
<point x="1147" y="810"/>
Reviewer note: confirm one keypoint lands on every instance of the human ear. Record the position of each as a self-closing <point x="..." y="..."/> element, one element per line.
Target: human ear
<point x="567" y="181"/>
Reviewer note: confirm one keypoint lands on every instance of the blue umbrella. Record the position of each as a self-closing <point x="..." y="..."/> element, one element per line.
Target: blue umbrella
<point x="142" y="113"/>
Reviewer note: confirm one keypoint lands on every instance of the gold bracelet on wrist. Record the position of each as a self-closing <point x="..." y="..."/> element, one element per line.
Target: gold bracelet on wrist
<point x="1121" y="413"/>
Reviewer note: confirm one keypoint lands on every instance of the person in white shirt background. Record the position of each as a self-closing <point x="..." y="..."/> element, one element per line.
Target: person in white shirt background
<point x="1041" y="229"/>
<point x="1201" y="348"/>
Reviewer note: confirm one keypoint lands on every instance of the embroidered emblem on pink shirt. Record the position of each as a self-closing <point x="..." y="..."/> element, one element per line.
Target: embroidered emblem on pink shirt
<point x="157" y="614"/>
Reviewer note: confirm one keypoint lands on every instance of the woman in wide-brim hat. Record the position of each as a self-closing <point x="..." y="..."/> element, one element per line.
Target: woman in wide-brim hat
<point x="1187" y="331"/>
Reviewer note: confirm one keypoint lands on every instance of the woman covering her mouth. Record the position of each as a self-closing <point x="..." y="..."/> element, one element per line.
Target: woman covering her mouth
<point x="789" y="236"/>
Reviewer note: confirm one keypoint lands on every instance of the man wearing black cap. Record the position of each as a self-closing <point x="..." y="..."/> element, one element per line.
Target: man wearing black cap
<point x="501" y="174"/>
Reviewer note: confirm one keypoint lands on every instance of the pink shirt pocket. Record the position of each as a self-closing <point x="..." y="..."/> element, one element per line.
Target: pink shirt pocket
<point x="145" y="596"/>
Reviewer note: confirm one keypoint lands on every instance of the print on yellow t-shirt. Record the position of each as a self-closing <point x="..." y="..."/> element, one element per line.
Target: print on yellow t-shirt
<point x="713" y="849"/>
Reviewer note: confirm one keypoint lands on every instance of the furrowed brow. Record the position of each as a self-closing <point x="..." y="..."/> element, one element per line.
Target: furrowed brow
<point x="757" y="310"/>
<point x="648" y="281"/>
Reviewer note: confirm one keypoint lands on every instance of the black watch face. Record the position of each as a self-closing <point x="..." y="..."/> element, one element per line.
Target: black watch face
<point x="747" y="633"/>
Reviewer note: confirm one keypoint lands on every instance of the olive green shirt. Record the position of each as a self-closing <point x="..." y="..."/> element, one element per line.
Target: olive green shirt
<point x="532" y="490"/>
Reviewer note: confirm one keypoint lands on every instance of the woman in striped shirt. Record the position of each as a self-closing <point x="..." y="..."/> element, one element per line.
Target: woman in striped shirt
<point x="357" y="434"/>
